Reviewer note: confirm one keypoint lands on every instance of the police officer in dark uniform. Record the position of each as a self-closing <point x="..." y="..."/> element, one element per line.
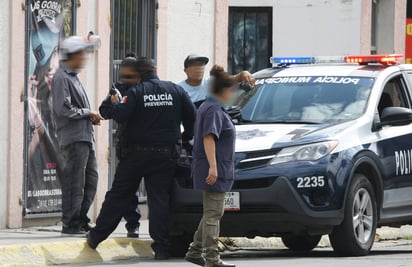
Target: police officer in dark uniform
<point x="154" y="111"/>
<point x="128" y="78"/>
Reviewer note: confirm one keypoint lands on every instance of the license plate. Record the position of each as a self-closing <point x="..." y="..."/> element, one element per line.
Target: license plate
<point x="232" y="201"/>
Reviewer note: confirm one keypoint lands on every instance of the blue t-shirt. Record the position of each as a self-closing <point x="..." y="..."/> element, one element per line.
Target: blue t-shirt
<point x="212" y="119"/>
<point x="196" y="93"/>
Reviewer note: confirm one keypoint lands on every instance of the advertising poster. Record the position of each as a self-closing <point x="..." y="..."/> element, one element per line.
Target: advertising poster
<point x="49" y="21"/>
<point x="408" y="46"/>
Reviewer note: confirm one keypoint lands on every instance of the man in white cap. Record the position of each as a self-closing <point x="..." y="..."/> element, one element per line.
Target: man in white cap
<point x="75" y="120"/>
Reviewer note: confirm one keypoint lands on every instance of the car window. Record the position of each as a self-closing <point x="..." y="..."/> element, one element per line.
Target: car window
<point x="310" y="98"/>
<point x="393" y="95"/>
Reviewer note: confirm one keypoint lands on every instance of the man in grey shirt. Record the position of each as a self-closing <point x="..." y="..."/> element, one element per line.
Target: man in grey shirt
<point x="75" y="120"/>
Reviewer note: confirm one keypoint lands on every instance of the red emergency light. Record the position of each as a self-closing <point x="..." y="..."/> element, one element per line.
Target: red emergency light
<point x="382" y="59"/>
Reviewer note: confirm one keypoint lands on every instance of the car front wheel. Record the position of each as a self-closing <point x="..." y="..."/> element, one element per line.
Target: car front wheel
<point x="356" y="234"/>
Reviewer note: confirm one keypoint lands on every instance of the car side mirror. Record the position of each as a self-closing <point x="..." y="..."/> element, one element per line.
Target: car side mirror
<point x="396" y="116"/>
<point x="234" y="113"/>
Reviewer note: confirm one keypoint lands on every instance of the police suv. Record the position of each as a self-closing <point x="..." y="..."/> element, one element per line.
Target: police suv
<point x="324" y="146"/>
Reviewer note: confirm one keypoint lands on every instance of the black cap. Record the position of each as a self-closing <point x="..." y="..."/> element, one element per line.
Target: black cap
<point x="145" y="64"/>
<point x="195" y="58"/>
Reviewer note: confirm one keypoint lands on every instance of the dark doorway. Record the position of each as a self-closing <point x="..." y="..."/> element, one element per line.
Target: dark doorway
<point x="250" y="38"/>
<point x="133" y="30"/>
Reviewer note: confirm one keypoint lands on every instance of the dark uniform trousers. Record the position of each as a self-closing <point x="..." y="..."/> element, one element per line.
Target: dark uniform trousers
<point x="158" y="169"/>
<point x="133" y="214"/>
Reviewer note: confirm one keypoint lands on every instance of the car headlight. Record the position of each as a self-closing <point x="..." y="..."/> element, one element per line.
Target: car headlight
<point x="309" y="152"/>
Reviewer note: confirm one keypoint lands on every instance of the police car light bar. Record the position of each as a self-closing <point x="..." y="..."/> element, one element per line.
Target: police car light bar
<point x="382" y="59"/>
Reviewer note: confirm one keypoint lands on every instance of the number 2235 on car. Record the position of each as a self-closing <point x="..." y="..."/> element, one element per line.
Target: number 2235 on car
<point x="310" y="181"/>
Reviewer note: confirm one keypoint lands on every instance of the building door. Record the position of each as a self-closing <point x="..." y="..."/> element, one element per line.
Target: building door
<point x="133" y="30"/>
<point x="250" y="38"/>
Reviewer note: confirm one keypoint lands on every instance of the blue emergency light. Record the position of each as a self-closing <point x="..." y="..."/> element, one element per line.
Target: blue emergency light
<point x="292" y="60"/>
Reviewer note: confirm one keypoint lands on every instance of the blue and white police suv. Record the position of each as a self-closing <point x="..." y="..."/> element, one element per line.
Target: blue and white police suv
<point x="324" y="146"/>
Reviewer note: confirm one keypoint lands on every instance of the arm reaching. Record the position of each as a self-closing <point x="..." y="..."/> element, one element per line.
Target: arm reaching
<point x="119" y="111"/>
<point x="245" y="77"/>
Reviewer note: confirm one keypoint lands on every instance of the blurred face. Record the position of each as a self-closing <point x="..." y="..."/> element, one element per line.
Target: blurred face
<point x="195" y="71"/>
<point x="226" y="96"/>
<point x="129" y="76"/>
<point x="78" y="60"/>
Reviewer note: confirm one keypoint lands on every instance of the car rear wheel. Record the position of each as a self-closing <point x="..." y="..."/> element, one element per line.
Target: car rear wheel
<point x="301" y="242"/>
<point x="180" y="245"/>
<point x="356" y="234"/>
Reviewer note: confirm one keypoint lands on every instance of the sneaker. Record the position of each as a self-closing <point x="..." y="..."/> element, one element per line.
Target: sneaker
<point x="198" y="261"/>
<point x="86" y="227"/>
<point x="72" y="231"/>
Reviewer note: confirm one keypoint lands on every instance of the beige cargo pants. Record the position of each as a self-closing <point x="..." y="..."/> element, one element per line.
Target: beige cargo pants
<point x="207" y="234"/>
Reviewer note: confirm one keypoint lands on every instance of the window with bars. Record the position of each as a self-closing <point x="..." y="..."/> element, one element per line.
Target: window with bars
<point x="250" y="38"/>
<point x="133" y="29"/>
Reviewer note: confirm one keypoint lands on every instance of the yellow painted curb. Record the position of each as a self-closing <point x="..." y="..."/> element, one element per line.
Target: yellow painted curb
<point x="72" y="252"/>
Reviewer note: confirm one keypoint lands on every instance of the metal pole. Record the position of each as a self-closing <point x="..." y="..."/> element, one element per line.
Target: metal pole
<point x="74" y="17"/>
<point x="26" y="106"/>
<point x="112" y="32"/>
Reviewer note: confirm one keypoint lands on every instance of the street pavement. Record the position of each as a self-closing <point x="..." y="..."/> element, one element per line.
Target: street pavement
<point x="385" y="254"/>
<point x="39" y="246"/>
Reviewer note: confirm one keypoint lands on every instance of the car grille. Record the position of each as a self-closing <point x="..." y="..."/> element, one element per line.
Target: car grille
<point x="253" y="183"/>
<point x="248" y="160"/>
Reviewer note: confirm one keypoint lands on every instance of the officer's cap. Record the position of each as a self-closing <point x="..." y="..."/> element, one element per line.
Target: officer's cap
<point x="145" y="64"/>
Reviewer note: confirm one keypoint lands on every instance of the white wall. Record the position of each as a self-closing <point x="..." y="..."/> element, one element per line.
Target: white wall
<point x="313" y="27"/>
<point x="4" y="91"/>
<point x="190" y="29"/>
<point x="91" y="64"/>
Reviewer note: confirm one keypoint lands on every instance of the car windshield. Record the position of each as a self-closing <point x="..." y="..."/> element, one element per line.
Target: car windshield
<point x="308" y="99"/>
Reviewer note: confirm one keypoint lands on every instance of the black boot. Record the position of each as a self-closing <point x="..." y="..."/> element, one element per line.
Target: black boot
<point x="92" y="243"/>
<point x="198" y="261"/>
<point x="133" y="233"/>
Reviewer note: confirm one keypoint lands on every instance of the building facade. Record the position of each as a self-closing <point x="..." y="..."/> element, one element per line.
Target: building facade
<point x="238" y="34"/>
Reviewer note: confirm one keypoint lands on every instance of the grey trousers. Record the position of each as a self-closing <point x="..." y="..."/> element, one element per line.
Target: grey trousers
<point x="79" y="183"/>
<point x="207" y="234"/>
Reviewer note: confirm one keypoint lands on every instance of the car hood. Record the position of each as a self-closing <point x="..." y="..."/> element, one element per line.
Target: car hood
<point x="253" y="137"/>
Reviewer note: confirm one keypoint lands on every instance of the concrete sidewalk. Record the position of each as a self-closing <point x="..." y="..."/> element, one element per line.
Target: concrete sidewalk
<point x="44" y="246"/>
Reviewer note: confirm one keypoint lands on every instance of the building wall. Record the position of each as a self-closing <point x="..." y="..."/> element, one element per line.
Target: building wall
<point x="16" y="114"/>
<point x="390" y="26"/>
<point x="400" y="26"/>
<point x="313" y="27"/>
<point x="4" y="118"/>
<point x="305" y="27"/>
<point x="190" y="29"/>
<point x="92" y="15"/>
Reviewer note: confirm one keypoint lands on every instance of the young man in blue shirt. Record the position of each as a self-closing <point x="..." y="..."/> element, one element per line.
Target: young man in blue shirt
<point x="196" y="85"/>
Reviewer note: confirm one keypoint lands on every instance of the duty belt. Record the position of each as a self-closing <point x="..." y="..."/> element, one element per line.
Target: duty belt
<point x="153" y="148"/>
